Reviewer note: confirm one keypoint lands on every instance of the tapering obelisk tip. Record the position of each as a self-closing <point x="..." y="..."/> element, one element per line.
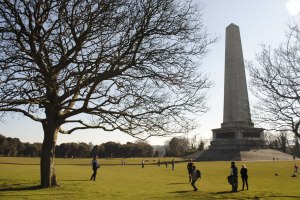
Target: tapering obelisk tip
<point x="232" y="25"/>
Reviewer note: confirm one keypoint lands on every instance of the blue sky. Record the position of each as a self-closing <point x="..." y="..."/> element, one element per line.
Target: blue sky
<point x="260" y="22"/>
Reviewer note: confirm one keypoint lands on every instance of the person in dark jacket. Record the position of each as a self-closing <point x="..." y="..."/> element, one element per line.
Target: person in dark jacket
<point x="173" y="164"/>
<point x="95" y="166"/>
<point x="244" y="176"/>
<point x="234" y="177"/>
<point x="190" y="167"/>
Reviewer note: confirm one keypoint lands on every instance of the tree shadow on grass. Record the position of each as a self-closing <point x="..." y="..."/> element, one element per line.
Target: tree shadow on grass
<point x="78" y="180"/>
<point x="222" y="192"/>
<point x="176" y="183"/>
<point x="285" y="196"/>
<point x="35" y="187"/>
<point x="182" y="191"/>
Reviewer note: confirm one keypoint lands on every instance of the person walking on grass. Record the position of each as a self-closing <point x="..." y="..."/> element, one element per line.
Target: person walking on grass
<point x="195" y="175"/>
<point x="173" y="164"/>
<point x="234" y="177"/>
<point x="296" y="170"/>
<point x="143" y="163"/>
<point x="190" y="167"/>
<point x="244" y="176"/>
<point x="95" y="165"/>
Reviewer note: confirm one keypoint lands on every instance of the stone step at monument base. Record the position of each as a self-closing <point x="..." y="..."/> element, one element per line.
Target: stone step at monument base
<point x="219" y="155"/>
<point x="237" y="144"/>
<point x="238" y="155"/>
<point x="265" y="155"/>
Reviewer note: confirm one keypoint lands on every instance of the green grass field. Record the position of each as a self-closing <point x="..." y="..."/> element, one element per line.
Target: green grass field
<point x="20" y="176"/>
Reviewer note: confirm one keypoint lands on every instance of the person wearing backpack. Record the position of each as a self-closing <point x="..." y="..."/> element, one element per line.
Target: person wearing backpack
<point x="95" y="165"/>
<point x="196" y="174"/>
<point x="234" y="177"/>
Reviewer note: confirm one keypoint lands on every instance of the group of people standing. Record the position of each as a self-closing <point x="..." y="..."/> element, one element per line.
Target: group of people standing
<point x="233" y="177"/>
<point x="166" y="163"/>
<point x="194" y="174"/>
<point x="158" y="163"/>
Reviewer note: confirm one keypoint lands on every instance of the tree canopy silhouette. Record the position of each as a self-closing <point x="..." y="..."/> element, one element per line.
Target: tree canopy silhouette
<point x="275" y="81"/>
<point x="128" y="65"/>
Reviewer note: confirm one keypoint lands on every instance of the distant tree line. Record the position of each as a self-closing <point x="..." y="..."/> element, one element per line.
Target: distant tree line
<point x="176" y="147"/>
<point x="105" y="150"/>
<point x="283" y="141"/>
<point x="14" y="147"/>
<point x="181" y="146"/>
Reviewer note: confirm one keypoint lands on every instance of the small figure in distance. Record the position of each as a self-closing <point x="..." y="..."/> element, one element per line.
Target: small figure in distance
<point x="234" y="177"/>
<point x="190" y="167"/>
<point x="196" y="174"/>
<point x="95" y="166"/>
<point x="158" y="162"/>
<point x="166" y="164"/>
<point x="244" y="176"/>
<point x="143" y="163"/>
<point x="296" y="170"/>
<point x="173" y="164"/>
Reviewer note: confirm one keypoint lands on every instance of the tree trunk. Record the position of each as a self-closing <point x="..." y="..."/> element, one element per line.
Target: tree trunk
<point x="48" y="176"/>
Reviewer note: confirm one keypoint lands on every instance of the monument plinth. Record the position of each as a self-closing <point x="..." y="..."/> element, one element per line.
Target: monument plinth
<point x="237" y="130"/>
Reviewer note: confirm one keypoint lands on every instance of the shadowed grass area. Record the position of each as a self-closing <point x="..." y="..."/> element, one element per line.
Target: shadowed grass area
<point x="19" y="179"/>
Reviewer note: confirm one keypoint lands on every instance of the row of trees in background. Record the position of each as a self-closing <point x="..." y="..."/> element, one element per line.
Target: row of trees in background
<point x="181" y="146"/>
<point x="14" y="147"/>
<point x="175" y="147"/>
<point x="283" y="141"/>
<point x="106" y="150"/>
<point x="117" y="150"/>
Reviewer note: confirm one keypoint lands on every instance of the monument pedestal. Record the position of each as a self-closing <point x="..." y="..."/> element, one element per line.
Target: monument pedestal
<point x="242" y="138"/>
<point x="237" y="131"/>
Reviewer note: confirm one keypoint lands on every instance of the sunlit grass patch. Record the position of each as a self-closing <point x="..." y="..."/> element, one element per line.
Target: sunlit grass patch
<point x="20" y="178"/>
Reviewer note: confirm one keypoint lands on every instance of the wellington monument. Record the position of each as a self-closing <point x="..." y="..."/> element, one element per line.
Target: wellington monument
<point x="237" y="130"/>
<point x="237" y="139"/>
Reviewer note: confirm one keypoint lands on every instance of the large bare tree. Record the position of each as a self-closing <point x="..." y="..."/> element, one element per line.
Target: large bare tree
<point x="275" y="81"/>
<point x="128" y="65"/>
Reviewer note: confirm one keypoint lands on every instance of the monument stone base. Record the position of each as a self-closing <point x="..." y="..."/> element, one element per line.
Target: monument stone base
<point x="242" y="138"/>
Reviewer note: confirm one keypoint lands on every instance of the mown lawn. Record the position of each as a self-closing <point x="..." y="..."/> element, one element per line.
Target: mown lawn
<point x="20" y="176"/>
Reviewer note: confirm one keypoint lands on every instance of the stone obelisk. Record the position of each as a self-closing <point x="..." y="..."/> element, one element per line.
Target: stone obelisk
<point x="237" y="130"/>
<point x="236" y="103"/>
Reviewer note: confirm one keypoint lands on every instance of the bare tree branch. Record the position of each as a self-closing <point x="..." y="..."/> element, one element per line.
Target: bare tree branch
<point x="276" y="83"/>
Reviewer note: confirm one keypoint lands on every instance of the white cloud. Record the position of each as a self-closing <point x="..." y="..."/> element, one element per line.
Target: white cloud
<point x="293" y="7"/>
